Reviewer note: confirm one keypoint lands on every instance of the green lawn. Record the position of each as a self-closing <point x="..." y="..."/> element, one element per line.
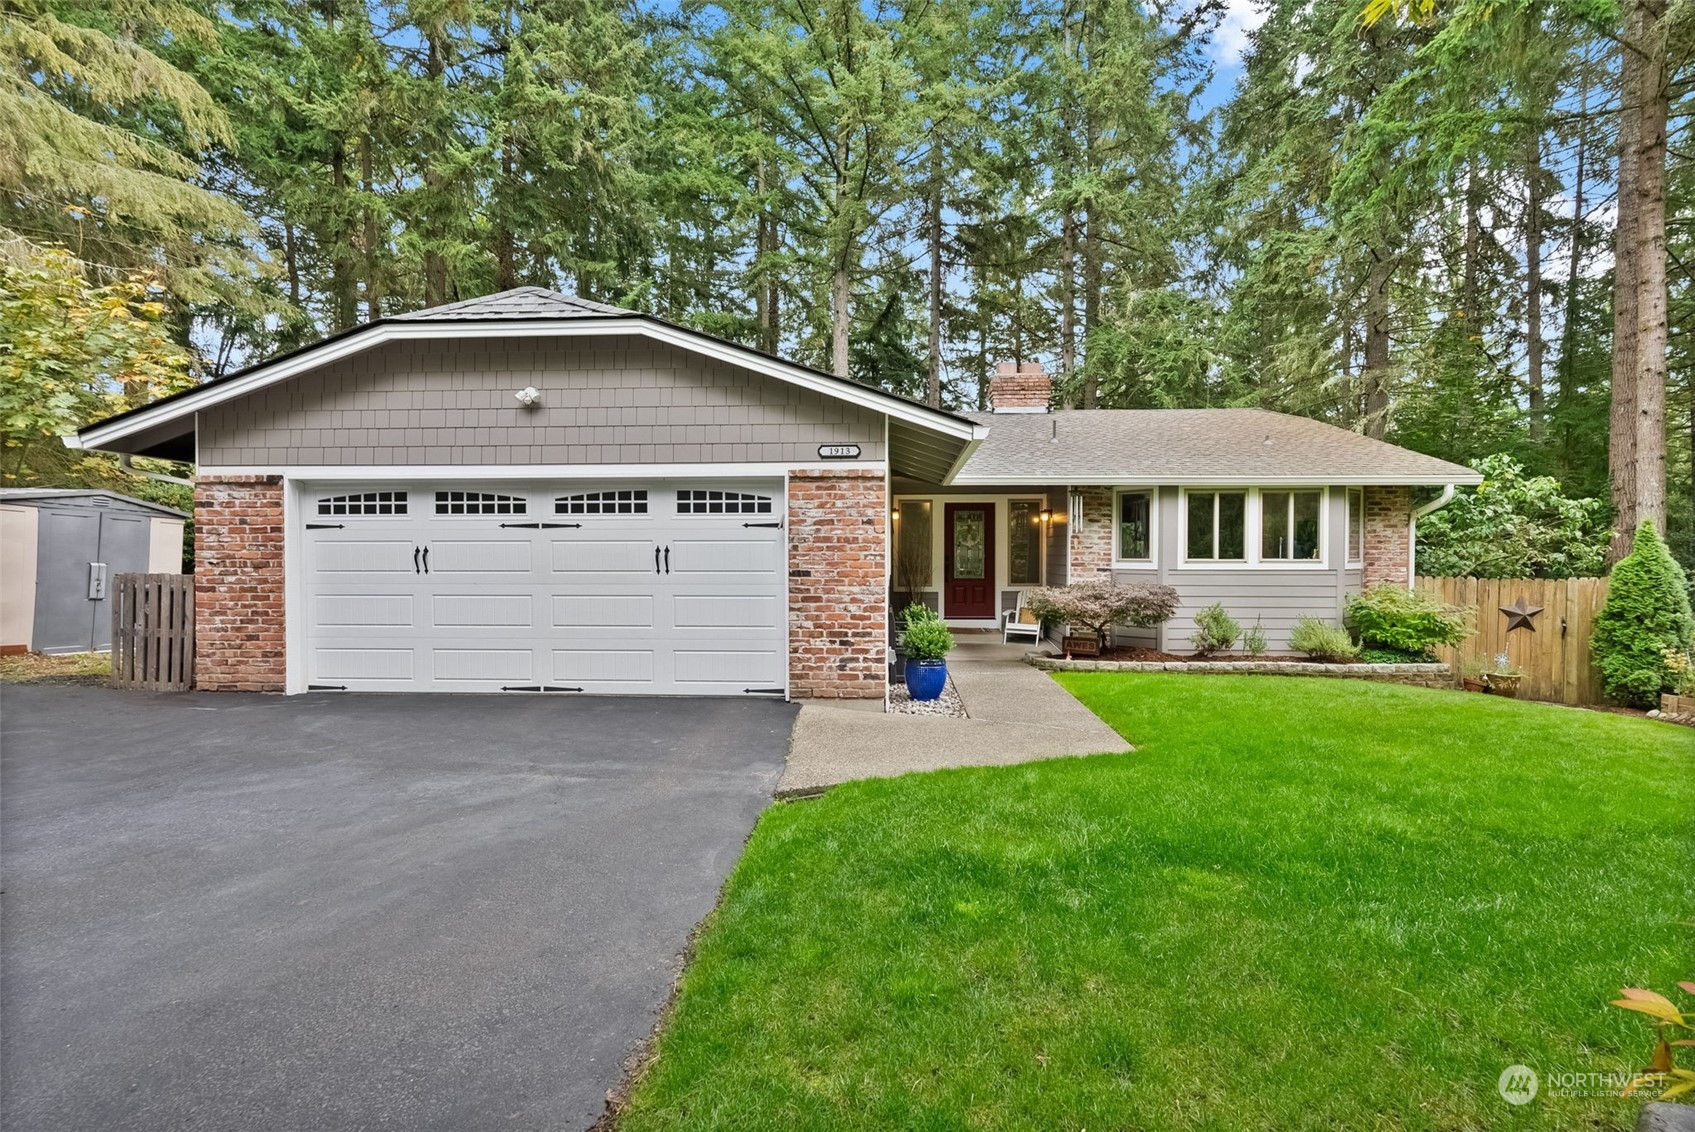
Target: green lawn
<point x="1300" y="904"/>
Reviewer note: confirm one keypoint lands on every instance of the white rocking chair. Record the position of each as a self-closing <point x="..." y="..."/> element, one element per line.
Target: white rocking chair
<point x="1020" y="622"/>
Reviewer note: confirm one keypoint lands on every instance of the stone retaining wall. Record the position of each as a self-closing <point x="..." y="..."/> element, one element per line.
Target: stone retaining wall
<point x="1419" y="675"/>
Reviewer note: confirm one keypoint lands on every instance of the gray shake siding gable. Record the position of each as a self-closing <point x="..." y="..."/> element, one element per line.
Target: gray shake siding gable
<point x="616" y="400"/>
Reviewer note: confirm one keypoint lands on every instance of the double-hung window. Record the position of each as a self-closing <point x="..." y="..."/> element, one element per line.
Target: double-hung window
<point x="1217" y="523"/>
<point x="1288" y="525"/>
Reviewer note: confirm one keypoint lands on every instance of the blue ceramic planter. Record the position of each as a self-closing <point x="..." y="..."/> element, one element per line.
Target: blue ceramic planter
<point x="925" y="679"/>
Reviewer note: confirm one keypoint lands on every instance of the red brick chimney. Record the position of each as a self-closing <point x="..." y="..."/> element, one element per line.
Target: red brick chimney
<point x="1019" y="387"/>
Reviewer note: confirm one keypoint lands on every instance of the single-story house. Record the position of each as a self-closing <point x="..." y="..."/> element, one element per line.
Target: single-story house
<point x="533" y="492"/>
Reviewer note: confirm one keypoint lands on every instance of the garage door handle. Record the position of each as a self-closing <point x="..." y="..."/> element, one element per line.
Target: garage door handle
<point x="656" y="560"/>
<point x="540" y="526"/>
<point x="426" y="560"/>
<point x="415" y="569"/>
<point x="667" y="560"/>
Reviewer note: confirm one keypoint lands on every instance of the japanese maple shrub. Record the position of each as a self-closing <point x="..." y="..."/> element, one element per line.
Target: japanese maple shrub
<point x="1101" y="605"/>
<point x="1646" y="613"/>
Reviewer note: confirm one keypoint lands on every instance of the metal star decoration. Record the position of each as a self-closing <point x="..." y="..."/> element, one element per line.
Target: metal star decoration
<point x="1519" y="615"/>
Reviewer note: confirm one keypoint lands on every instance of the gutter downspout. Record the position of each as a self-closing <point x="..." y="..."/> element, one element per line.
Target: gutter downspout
<point x="1418" y="513"/>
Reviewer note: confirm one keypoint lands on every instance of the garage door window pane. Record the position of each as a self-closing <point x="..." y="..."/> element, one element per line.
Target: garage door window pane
<point x="364" y="503"/>
<point x="707" y="501"/>
<point x="624" y="501"/>
<point x="478" y="503"/>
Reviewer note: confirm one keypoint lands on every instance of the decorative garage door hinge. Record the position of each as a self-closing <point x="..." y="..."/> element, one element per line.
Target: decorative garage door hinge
<point x="774" y="526"/>
<point x="326" y="687"/>
<point x="763" y="691"/>
<point x="326" y="526"/>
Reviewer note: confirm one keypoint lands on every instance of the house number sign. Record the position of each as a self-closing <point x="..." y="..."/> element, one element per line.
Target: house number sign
<point x="838" y="451"/>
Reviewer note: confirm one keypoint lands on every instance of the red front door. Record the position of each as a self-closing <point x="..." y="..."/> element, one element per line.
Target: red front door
<point x="969" y="550"/>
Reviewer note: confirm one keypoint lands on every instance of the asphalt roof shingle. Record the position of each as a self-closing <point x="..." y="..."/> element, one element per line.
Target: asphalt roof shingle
<point x="1136" y="446"/>
<point x="518" y="303"/>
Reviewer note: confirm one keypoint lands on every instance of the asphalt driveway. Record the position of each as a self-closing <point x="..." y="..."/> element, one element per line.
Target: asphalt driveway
<point x="335" y="912"/>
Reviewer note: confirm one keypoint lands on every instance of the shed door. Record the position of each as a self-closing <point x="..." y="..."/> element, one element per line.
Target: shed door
<point x="647" y="588"/>
<point x="70" y="615"/>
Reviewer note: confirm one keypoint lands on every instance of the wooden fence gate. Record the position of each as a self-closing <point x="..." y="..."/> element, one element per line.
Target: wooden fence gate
<point x="1554" y="655"/>
<point x="153" y="632"/>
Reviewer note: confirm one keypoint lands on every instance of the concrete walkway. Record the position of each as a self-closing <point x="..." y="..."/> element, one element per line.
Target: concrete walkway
<point x="1016" y="715"/>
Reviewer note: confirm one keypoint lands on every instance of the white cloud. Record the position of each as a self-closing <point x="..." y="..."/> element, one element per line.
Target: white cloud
<point x="1230" y="42"/>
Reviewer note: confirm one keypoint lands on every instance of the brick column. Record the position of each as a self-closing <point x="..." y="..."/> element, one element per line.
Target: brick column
<point x="838" y="584"/>
<point x="1388" y="518"/>
<point x="238" y="584"/>
<point x="1091" y="539"/>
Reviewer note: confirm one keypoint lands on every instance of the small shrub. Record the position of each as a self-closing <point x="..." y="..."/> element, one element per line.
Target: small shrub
<point x="927" y="639"/>
<point x="1394" y="656"/>
<point x="1328" y="643"/>
<point x="1254" y="642"/>
<point x="1101" y="605"/>
<point x="917" y="612"/>
<point x="1217" y="631"/>
<point x="1388" y="616"/>
<point x="1680" y="672"/>
<point x="1646" y="613"/>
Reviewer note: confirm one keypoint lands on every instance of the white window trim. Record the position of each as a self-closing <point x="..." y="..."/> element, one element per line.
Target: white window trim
<point x="1348" y="558"/>
<point x="1151" y="562"/>
<point x="1252" y="533"/>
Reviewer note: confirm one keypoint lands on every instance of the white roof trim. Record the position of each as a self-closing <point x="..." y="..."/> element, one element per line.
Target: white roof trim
<point x="314" y="358"/>
<point x="1437" y="480"/>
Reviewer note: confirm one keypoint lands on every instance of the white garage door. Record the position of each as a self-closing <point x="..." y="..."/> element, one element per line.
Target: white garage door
<point x="659" y="589"/>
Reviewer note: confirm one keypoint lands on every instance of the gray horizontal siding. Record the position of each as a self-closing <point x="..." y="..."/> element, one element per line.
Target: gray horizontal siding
<point x="624" y="400"/>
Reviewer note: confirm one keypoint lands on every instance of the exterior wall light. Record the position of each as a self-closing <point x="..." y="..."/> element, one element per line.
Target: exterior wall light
<point x="529" y="396"/>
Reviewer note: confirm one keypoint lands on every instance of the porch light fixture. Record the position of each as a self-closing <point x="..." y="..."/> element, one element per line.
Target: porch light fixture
<point x="529" y="396"/>
<point x="1044" y="516"/>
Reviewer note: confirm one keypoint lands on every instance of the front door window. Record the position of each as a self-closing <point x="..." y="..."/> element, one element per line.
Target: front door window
<point x="968" y="544"/>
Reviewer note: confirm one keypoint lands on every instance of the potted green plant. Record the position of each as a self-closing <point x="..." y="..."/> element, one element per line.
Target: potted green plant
<point x="926" y="643"/>
<point x="1505" y="677"/>
<point x="916" y="611"/>
<point x="1471" y="676"/>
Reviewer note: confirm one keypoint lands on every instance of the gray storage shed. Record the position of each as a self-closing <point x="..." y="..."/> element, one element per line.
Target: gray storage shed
<point x="59" y="549"/>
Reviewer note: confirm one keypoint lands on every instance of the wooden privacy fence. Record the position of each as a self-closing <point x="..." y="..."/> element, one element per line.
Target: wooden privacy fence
<point x="153" y="632"/>
<point x="1554" y="657"/>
